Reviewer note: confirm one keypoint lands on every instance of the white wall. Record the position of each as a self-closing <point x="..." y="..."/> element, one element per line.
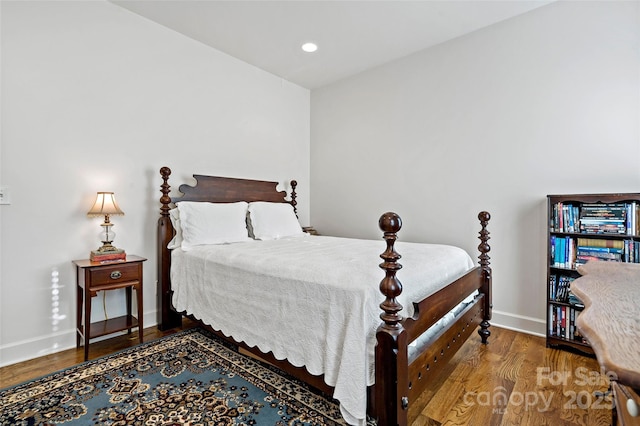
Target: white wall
<point x="94" y="97"/>
<point x="544" y="103"/>
<point x="97" y="98"/>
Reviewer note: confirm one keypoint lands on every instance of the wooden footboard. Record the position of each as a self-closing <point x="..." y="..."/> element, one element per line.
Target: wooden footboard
<point x="434" y="354"/>
<point x="399" y="378"/>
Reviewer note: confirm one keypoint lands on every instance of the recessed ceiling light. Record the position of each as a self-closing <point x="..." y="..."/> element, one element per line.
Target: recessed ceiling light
<point x="309" y="47"/>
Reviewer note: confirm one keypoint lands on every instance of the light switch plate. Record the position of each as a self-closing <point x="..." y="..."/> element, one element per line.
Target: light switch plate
<point x="4" y="195"/>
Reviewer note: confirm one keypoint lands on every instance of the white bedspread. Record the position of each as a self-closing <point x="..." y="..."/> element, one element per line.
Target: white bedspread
<point x="312" y="300"/>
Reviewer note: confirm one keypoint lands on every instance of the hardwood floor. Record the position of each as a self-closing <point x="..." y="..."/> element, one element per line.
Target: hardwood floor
<point x="514" y="380"/>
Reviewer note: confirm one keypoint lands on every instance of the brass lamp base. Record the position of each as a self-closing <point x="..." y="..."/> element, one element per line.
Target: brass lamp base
<point x="108" y="248"/>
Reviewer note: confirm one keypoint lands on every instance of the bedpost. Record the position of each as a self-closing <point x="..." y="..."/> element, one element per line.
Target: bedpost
<point x="168" y="317"/>
<point x="293" y="201"/>
<point x="484" y="258"/>
<point x="391" y="386"/>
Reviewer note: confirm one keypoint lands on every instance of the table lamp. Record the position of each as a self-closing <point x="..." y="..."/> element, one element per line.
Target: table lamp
<point x="106" y="206"/>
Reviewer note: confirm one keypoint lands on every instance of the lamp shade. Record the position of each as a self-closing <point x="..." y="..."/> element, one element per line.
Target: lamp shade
<point x="105" y="205"/>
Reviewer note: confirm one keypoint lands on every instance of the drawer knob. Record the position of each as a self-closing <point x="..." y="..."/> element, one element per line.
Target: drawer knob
<point x="632" y="408"/>
<point x="115" y="275"/>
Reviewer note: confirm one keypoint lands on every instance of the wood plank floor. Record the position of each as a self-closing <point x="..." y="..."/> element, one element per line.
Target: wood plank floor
<point x="514" y="380"/>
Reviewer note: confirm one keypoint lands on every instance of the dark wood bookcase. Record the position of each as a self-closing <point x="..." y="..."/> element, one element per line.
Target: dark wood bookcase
<point x="581" y="228"/>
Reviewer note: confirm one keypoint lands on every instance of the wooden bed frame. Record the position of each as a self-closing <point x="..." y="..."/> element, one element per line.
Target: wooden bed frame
<point x="398" y="379"/>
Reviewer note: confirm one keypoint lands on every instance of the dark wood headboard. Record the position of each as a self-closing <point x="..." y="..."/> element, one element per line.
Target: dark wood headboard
<point x="211" y="189"/>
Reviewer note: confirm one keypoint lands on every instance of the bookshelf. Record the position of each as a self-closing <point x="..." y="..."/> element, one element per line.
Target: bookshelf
<point x="584" y="228"/>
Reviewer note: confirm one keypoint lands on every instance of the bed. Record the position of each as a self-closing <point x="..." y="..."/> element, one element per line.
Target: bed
<point x="373" y="343"/>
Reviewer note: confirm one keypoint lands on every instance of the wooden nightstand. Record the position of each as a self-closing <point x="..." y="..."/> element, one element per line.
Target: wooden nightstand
<point x="92" y="277"/>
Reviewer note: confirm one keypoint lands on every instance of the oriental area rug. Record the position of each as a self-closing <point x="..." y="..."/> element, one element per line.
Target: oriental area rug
<point x="189" y="378"/>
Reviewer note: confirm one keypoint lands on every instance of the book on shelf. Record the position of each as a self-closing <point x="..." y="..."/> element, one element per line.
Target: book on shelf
<point x="602" y="228"/>
<point x="589" y="252"/>
<point x="574" y="300"/>
<point x="595" y="249"/>
<point x="565" y="218"/>
<point x="603" y="218"/>
<point x="562" y="323"/>
<point x="563" y="252"/>
<point x="586" y="248"/>
<point x="595" y="218"/>
<point x="600" y="242"/>
<point x="569" y="253"/>
<point x="631" y="251"/>
<point x="563" y="288"/>
<point x="581" y="260"/>
<point x="560" y="287"/>
<point x="604" y="210"/>
<point x="632" y="218"/>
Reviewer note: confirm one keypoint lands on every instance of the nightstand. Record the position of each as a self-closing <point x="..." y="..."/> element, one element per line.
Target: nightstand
<point x="92" y="277"/>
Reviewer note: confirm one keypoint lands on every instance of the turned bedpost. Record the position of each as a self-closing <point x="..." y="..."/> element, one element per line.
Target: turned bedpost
<point x="167" y="316"/>
<point x="293" y="201"/>
<point x="484" y="258"/>
<point x="391" y="387"/>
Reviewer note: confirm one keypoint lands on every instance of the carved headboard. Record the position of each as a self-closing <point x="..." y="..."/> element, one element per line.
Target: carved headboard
<point x="207" y="189"/>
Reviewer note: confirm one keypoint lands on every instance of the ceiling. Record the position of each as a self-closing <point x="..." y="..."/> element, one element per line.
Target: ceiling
<point x="352" y="35"/>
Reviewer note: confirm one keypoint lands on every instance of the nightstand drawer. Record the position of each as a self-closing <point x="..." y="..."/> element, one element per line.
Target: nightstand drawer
<point x="114" y="274"/>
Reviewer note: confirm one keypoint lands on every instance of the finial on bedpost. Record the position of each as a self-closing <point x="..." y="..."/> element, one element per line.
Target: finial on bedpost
<point x="484" y="258"/>
<point x="484" y="247"/>
<point x="294" y="203"/>
<point x="165" y="200"/>
<point x="390" y="223"/>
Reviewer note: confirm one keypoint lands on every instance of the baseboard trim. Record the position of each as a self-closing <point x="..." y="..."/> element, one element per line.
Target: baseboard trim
<point x="521" y="323"/>
<point x="36" y="347"/>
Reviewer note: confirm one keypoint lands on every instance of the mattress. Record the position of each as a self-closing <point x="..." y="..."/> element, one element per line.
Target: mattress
<point x="313" y="300"/>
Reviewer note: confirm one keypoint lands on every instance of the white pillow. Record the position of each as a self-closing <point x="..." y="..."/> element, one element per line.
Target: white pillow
<point x="176" y="241"/>
<point x="270" y="221"/>
<point x="212" y="223"/>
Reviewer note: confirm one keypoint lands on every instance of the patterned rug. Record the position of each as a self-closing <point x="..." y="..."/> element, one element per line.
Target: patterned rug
<point x="189" y="378"/>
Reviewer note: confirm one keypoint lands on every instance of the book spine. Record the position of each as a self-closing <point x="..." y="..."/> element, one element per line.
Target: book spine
<point x="572" y="321"/>
<point x="103" y="257"/>
<point x="600" y="254"/>
<point x="599" y="249"/>
<point x="600" y="242"/>
<point x="560" y="217"/>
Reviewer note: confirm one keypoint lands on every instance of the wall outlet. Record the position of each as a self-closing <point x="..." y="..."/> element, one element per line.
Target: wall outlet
<point x="4" y="195"/>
